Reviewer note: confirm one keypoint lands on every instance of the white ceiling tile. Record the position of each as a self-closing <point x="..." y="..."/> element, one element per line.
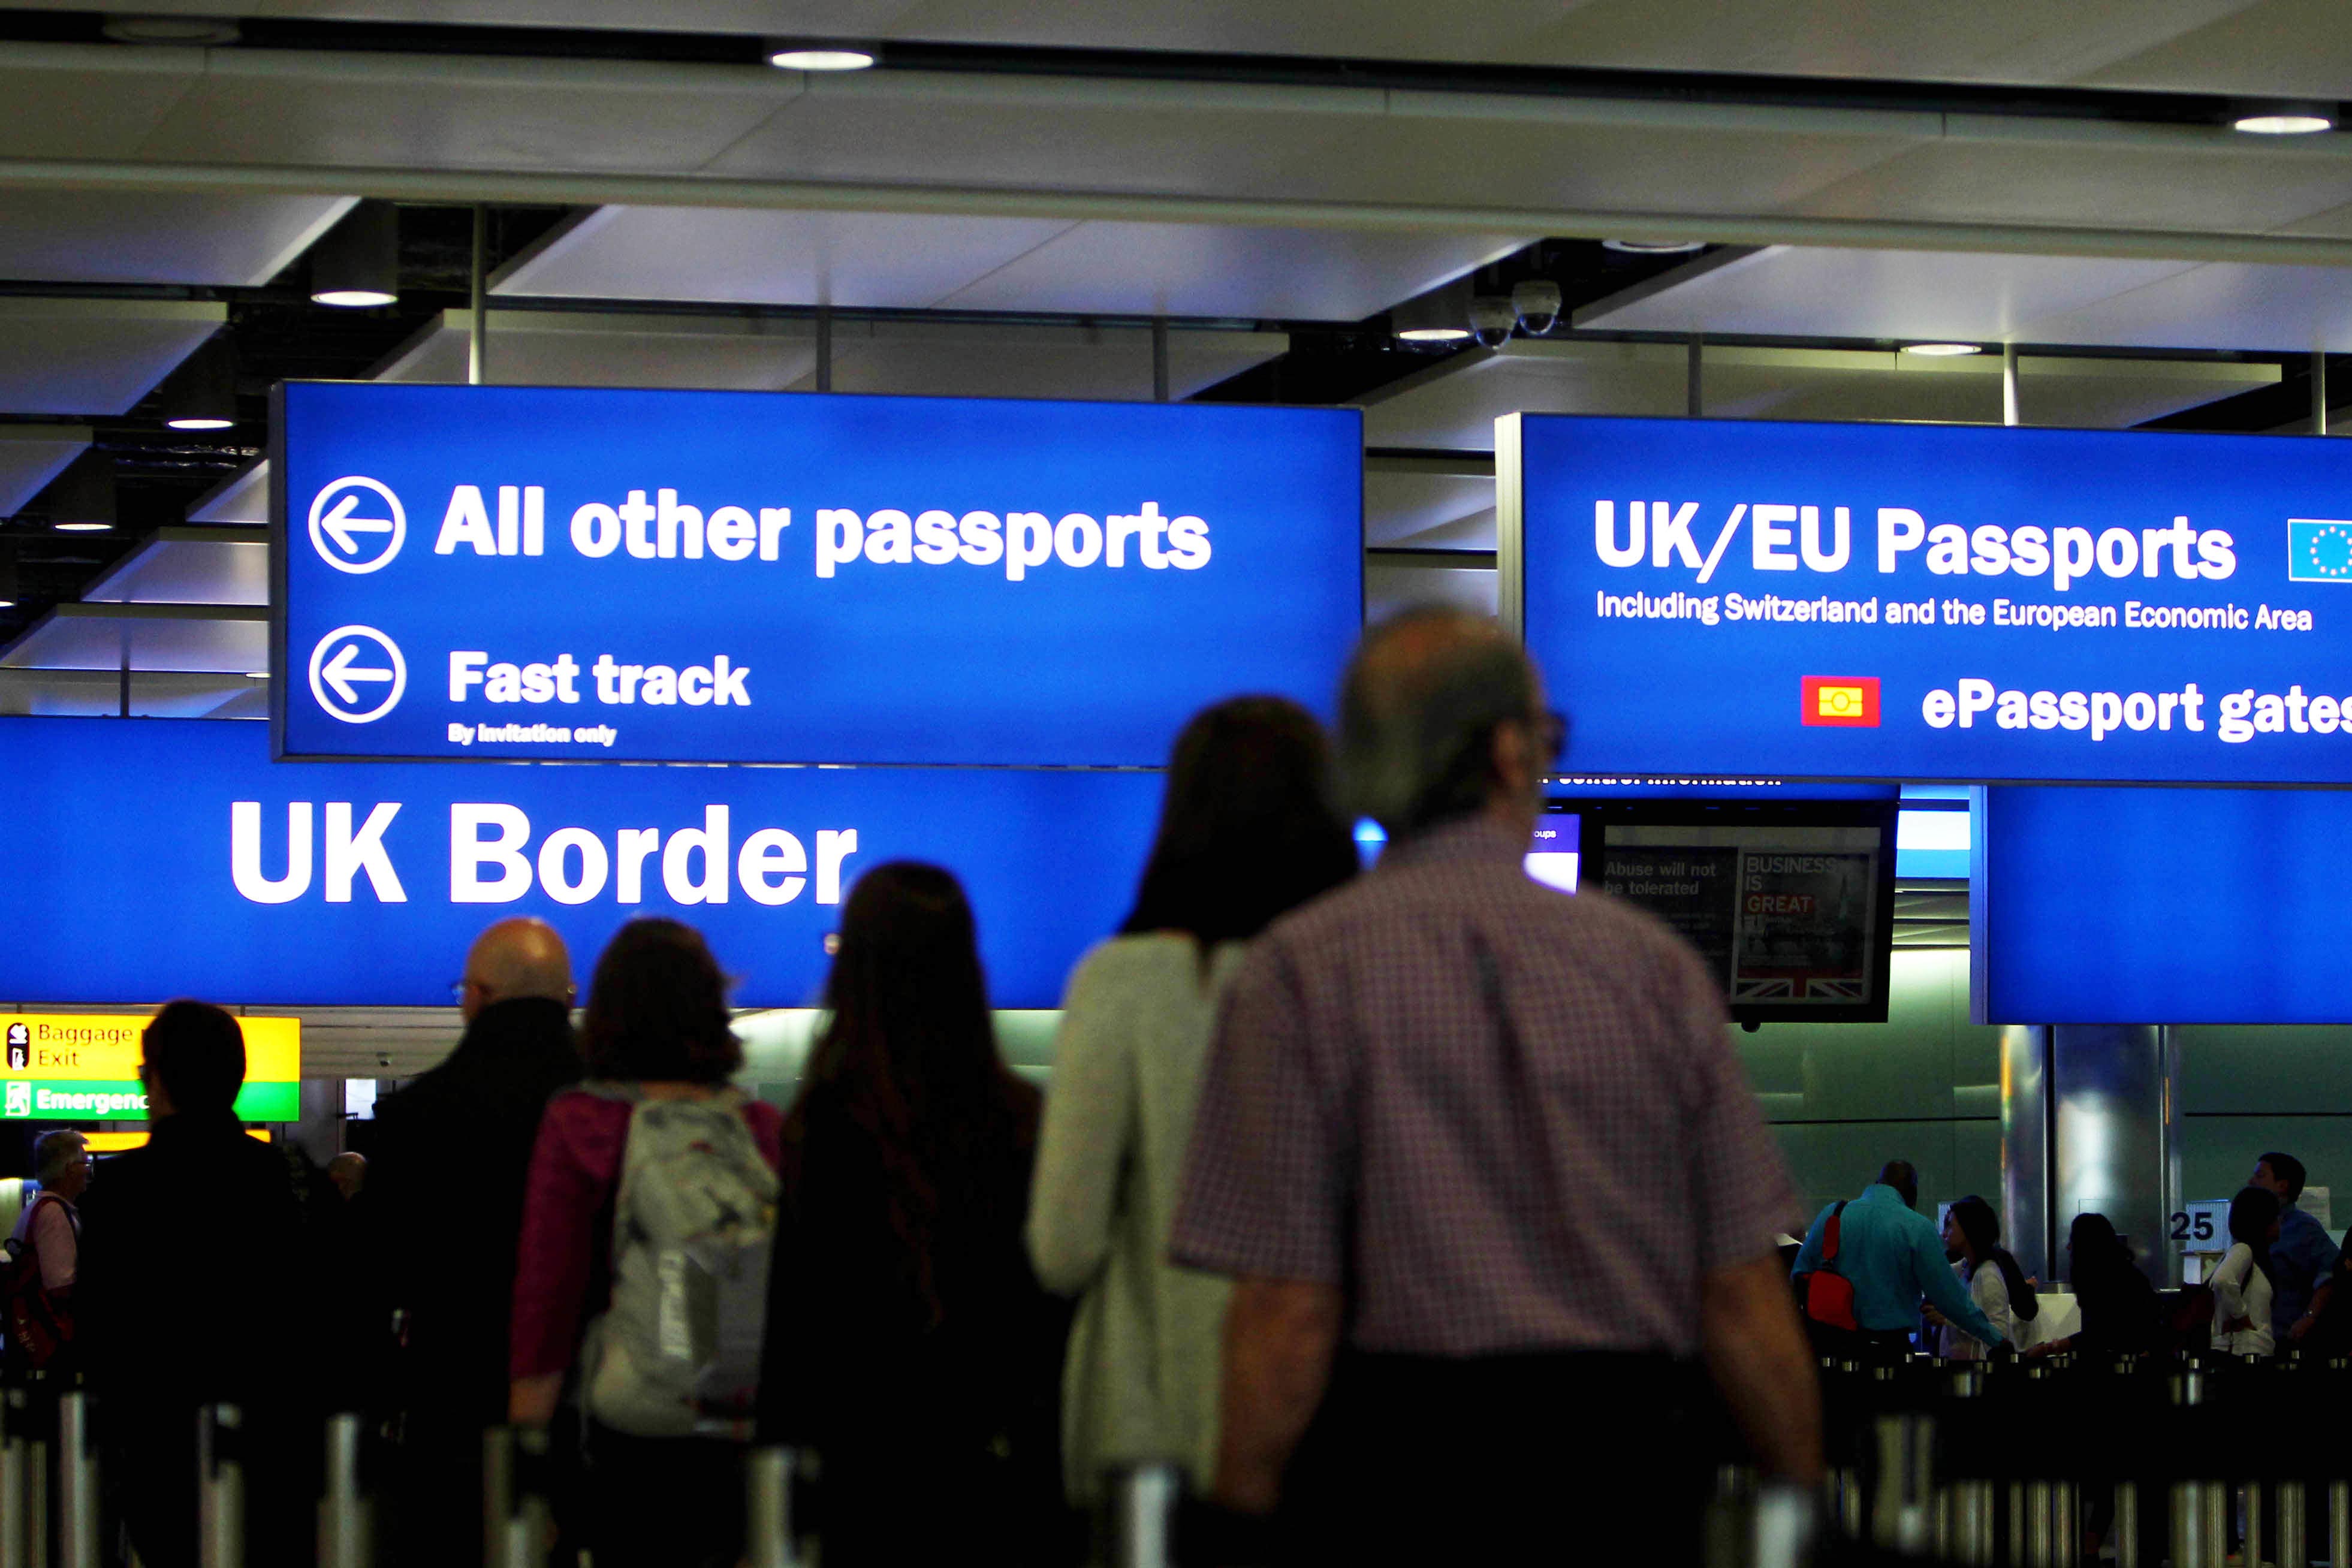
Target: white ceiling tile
<point x="88" y="101"/>
<point x="79" y="637"/>
<point x="869" y="260"/>
<point x="189" y="566"/>
<point x="2160" y="186"/>
<point x="464" y="112"/>
<point x="94" y="356"/>
<point x="1392" y="585"/>
<point x="1431" y="512"/>
<point x="2273" y="48"/>
<point x="593" y="348"/>
<point x="32" y="454"/>
<point x="1822" y="292"/>
<point x="946" y="358"/>
<point x="2221" y="306"/>
<point x="101" y="238"/>
<point x="243" y="496"/>
<point x="1454" y="405"/>
<point x="1204" y="269"/>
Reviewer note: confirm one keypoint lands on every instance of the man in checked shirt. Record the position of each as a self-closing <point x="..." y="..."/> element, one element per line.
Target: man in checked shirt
<point x="1482" y="1163"/>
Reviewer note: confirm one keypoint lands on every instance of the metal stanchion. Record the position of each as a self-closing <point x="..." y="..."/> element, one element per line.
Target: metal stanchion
<point x="498" y="1489"/>
<point x="2017" y="1511"/>
<point x="344" y="1540"/>
<point x="220" y="1487"/>
<point x="2250" y="1500"/>
<point x="12" y="1479"/>
<point x="522" y="1535"/>
<point x="2040" y="1549"/>
<point x="2188" y="1525"/>
<point x="2216" y="1525"/>
<point x="1901" y="1517"/>
<point x="2294" y="1539"/>
<point x="2066" y="1524"/>
<point x="76" y="1484"/>
<point x="2339" y="1521"/>
<point x="37" y="1485"/>
<point x="1143" y="1509"/>
<point x="770" y="1538"/>
<point x="2126" y="1524"/>
<point x="1972" y="1523"/>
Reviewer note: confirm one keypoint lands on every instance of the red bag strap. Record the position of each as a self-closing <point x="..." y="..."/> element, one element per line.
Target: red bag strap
<point x="1831" y="1233"/>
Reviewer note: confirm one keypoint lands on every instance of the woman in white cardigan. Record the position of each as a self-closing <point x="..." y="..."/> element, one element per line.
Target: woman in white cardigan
<point x="1248" y="832"/>
<point x="2241" y="1285"/>
<point x="1994" y="1281"/>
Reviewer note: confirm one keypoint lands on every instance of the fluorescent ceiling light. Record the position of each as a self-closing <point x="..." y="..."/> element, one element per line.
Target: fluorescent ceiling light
<point x="81" y="527"/>
<point x="819" y="57"/>
<point x="353" y="298"/>
<point x="256" y="675"/>
<point x="2283" y="124"/>
<point x="1433" y="334"/>
<point x="199" y="422"/>
<point x="1942" y="350"/>
<point x="1654" y="247"/>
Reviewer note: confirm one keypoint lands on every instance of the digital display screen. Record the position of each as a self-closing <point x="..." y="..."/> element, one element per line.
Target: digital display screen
<point x="1790" y="904"/>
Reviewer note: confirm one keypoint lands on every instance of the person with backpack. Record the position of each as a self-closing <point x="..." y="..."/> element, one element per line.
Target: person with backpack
<point x="1864" y="1266"/>
<point x="908" y="1344"/>
<point x="642" y="1268"/>
<point x="43" y="1255"/>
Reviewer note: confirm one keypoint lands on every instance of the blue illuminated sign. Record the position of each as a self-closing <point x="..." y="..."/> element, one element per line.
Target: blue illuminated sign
<point x="2161" y="906"/>
<point x="1935" y="602"/>
<point x="149" y="859"/>
<point x="564" y="573"/>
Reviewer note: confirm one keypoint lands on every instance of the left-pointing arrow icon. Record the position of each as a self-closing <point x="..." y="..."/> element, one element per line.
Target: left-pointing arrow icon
<point x="341" y="672"/>
<point x="340" y="524"/>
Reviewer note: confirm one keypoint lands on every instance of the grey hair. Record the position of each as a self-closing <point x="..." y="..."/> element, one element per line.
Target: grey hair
<point x="1424" y="690"/>
<point x="53" y="1151"/>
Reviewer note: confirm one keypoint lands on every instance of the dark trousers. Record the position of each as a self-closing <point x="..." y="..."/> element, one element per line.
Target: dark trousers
<point x="664" y="1502"/>
<point x="1570" y="1456"/>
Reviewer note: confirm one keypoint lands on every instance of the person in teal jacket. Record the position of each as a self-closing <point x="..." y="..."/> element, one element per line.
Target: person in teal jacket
<point x="1893" y="1256"/>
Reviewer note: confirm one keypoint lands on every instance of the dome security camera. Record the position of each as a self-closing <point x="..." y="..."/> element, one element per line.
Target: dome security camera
<point x="1536" y="303"/>
<point x="1491" y="320"/>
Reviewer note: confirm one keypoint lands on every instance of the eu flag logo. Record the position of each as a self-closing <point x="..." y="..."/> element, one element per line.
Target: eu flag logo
<point x="2318" y="549"/>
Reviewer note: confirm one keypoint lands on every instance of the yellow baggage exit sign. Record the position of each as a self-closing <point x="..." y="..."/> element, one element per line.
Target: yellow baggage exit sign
<point x="84" y="1066"/>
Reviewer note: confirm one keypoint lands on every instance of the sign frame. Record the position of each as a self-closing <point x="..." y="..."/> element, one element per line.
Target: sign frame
<point x="283" y="533"/>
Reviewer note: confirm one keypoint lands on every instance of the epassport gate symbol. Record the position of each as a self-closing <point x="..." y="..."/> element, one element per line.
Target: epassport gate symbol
<point x="347" y="666"/>
<point x="347" y="519"/>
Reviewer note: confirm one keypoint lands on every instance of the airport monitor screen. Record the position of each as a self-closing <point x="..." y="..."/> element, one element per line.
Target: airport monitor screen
<point x="1790" y="904"/>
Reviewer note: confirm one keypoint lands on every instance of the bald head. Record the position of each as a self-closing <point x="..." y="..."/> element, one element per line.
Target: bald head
<point x="1437" y="721"/>
<point x="515" y="959"/>
<point x="349" y="1173"/>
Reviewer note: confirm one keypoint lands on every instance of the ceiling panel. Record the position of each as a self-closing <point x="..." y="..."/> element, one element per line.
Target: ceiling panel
<point x="88" y="101"/>
<point x="229" y="640"/>
<point x="1453" y="405"/>
<point x="2238" y="46"/>
<point x="459" y="111"/>
<point x="97" y="694"/>
<point x="871" y="261"/>
<point x="590" y="348"/>
<point x="243" y="496"/>
<point x="1819" y="291"/>
<point x="2222" y="306"/>
<point x="2236" y="186"/>
<point x="94" y="356"/>
<point x="32" y="454"/>
<point x="1394" y="586"/>
<point x="190" y="566"/>
<point x="91" y="237"/>
<point x="1203" y="269"/>
<point x="1429" y="511"/>
<point x="980" y="360"/>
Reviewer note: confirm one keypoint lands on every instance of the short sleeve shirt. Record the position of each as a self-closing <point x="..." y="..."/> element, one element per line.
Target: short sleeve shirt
<point x="1501" y="1117"/>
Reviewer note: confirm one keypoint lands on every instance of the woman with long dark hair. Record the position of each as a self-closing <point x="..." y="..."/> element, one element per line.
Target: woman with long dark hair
<point x="1995" y="1283"/>
<point x="908" y="1342"/>
<point x="2243" y="1285"/>
<point x="2121" y="1315"/>
<point x="654" y="1136"/>
<point x="1246" y="833"/>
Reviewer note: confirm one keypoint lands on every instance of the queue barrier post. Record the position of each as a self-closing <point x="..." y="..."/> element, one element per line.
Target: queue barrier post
<point x="2294" y="1534"/>
<point x="771" y="1535"/>
<point x="2126" y="1524"/>
<point x="38" y="1414"/>
<point x="2339" y="1521"/>
<point x="1143" y="1514"/>
<point x="498" y="1489"/>
<point x="78" y="1538"/>
<point x="1771" y="1526"/>
<point x="344" y="1540"/>
<point x="524" y="1533"/>
<point x="1902" y="1514"/>
<point x="14" y="1478"/>
<point x="2250" y="1503"/>
<point x="220" y="1487"/>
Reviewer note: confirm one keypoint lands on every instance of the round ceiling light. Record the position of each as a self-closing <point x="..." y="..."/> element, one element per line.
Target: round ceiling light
<point x="200" y="422"/>
<point x="1432" y="334"/>
<point x="354" y="299"/>
<point x="819" y="57"/>
<point x="81" y="527"/>
<point x="1654" y="247"/>
<point x="1942" y="350"/>
<point x="2281" y="124"/>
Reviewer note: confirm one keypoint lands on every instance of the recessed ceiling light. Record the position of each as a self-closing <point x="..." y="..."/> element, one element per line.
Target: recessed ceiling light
<point x="819" y="57"/>
<point x="199" y="422"/>
<point x="354" y="299"/>
<point x="7" y="603"/>
<point x="256" y="675"/>
<point x="1942" y="350"/>
<point x="2283" y="124"/>
<point x="1432" y="334"/>
<point x="81" y="527"/>
<point x="1654" y="247"/>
